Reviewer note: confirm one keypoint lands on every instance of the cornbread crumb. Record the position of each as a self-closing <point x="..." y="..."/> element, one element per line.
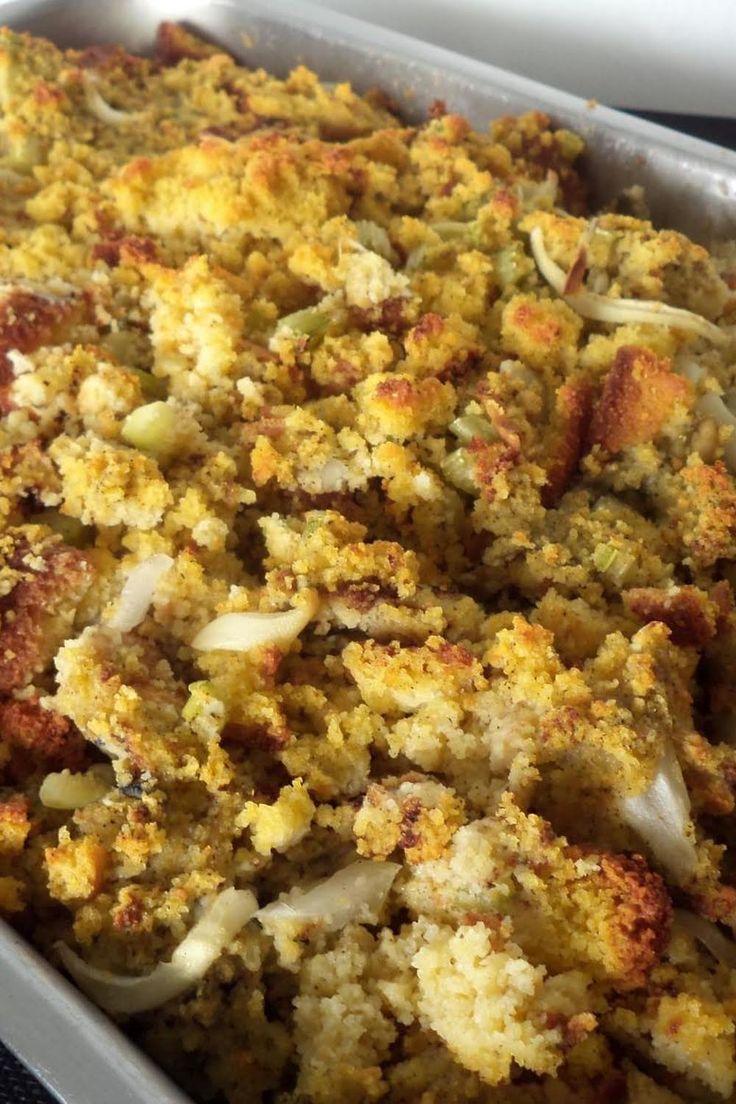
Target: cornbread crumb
<point x="76" y="868"/>
<point x="105" y="484"/>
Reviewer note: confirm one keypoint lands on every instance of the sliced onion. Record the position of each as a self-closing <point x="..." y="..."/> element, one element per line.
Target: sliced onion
<point x="66" y="790"/>
<point x="138" y="591"/>
<point x="101" y="108"/>
<point x="20" y="362"/>
<point x="357" y="892"/>
<point x="689" y="368"/>
<point x="242" y="632"/>
<point x="602" y="308"/>
<point x="55" y="290"/>
<point x="332" y="477"/>
<point x="713" y="406"/>
<point x="661" y="816"/>
<point x="191" y="960"/>
<point x="710" y="935"/>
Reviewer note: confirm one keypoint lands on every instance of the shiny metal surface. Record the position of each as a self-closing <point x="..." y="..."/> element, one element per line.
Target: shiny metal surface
<point x="691" y="185"/>
<point x="72" y="1047"/>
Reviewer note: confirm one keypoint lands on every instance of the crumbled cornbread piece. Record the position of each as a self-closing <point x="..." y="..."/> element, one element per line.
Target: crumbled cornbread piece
<point x="14" y="824"/>
<point x="640" y="394"/>
<point x="105" y="484"/>
<point x="477" y="995"/>
<point x="418" y="815"/>
<point x="41" y="583"/>
<point x="278" y="826"/>
<point x="76" y="868"/>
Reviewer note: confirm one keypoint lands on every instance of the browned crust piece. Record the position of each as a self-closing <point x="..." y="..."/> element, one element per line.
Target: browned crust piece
<point x="710" y="774"/>
<point x="639" y="395"/>
<point x="707" y="511"/>
<point x="428" y="332"/>
<point x="642" y="912"/>
<point x="687" y="611"/>
<point x="716" y="903"/>
<point x="391" y="316"/>
<point x="490" y="460"/>
<point x="422" y="831"/>
<point x="40" y="739"/>
<point x="28" y="321"/>
<point x="112" y="58"/>
<point x="174" y="43"/>
<point x="125" y="248"/>
<point x="15" y="824"/>
<point x="44" y="575"/>
<point x="573" y="404"/>
<point x="541" y="150"/>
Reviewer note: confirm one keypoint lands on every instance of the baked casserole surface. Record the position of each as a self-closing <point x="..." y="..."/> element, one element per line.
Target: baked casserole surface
<point x="366" y="608"/>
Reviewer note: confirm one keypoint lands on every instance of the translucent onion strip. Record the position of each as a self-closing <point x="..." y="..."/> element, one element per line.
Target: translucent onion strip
<point x="20" y="362"/>
<point x="357" y="892"/>
<point x="67" y="790"/>
<point x="100" y="108"/>
<point x="713" y="406"/>
<point x="242" y="632"/>
<point x="711" y="936"/>
<point x="191" y="960"/>
<point x="138" y="591"/>
<point x="603" y="308"/>
<point x="661" y="816"/>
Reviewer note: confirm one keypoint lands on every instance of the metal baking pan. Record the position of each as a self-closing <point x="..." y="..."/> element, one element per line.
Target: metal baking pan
<point x="691" y="185"/>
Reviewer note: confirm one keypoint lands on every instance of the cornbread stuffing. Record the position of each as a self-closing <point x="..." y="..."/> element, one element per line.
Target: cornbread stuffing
<point x="367" y="622"/>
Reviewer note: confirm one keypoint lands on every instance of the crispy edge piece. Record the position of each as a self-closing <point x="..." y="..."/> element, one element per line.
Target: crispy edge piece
<point x="707" y="511"/>
<point x="639" y="395"/>
<point x="687" y="612"/>
<point x="174" y="43"/>
<point x="28" y="321"/>
<point x="76" y="868"/>
<point x="420" y="822"/>
<point x="540" y="148"/>
<point x="573" y="405"/>
<point x="119" y="248"/>
<point x="39" y="738"/>
<point x="618" y="915"/>
<point x="643" y="916"/>
<point x="50" y="574"/>
<point x="15" y="824"/>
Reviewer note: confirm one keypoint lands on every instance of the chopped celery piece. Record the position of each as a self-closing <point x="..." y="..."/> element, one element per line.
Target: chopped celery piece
<point x="374" y="237"/>
<point x="312" y="525"/>
<point x="511" y="264"/>
<point x="458" y="470"/>
<point x="473" y="425"/>
<point x="152" y="428"/>
<point x="603" y="556"/>
<point x="468" y="232"/>
<point x="310" y="322"/>
<point x="416" y="258"/>
<point x="613" y="562"/>
<point x="201" y="696"/>
<point x="151" y="386"/>
<point x="620" y="569"/>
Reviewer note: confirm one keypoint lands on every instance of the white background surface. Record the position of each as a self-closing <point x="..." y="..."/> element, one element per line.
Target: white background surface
<point x="659" y="55"/>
